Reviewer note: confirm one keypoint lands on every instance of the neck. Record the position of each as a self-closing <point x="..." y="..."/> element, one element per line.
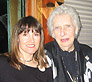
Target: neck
<point x="23" y="56"/>
<point x="69" y="49"/>
<point x="26" y="60"/>
<point x="26" y="57"/>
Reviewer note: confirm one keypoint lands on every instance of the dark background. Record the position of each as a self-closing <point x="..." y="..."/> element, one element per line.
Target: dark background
<point x="3" y="27"/>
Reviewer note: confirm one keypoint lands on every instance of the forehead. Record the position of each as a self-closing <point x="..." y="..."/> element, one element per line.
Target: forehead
<point x="63" y="19"/>
<point x="32" y="28"/>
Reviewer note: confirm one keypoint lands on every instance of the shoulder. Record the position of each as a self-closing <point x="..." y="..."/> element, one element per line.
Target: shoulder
<point x="49" y="69"/>
<point x="84" y="46"/>
<point x="49" y="45"/>
<point x="86" y="50"/>
<point x="3" y="60"/>
<point x="3" y="57"/>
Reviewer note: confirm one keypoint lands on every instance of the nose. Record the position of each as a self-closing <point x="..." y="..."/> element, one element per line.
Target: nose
<point x="62" y="32"/>
<point x="31" y="38"/>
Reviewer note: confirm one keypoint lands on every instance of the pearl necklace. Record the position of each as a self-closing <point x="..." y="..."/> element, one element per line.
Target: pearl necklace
<point x="29" y="60"/>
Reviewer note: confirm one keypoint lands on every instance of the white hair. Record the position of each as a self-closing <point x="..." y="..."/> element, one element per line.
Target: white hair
<point x="63" y="9"/>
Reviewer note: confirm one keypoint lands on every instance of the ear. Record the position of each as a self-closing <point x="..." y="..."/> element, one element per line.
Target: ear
<point x="76" y="31"/>
<point x="53" y="35"/>
<point x="18" y="40"/>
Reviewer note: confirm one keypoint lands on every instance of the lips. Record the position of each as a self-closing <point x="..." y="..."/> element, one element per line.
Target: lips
<point x="31" y="45"/>
<point x="64" y="40"/>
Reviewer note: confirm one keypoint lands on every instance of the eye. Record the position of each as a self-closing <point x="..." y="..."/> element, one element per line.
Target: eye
<point x="25" y="34"/>
<point x="56" y="27"/>
<point x="36" y="34"/>
<point x="68" y="26"/>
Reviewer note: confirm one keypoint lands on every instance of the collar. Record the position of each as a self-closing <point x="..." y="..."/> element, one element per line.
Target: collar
<point x="76" y="46"/>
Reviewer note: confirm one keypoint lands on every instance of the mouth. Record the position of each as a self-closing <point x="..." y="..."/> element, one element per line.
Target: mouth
<point x="64" y="40"/>
<point x="31" y="46"/>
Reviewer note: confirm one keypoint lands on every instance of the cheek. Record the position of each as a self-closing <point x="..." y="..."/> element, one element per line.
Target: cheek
<point x="56" y="33"/>
<point x="37" y="41"/>
<point x="71" y="32"/>
<point x="22" y="41"/>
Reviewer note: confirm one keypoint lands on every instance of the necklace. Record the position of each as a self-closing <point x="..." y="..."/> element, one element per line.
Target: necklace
<point x="29" y="60"/>
<point x="73" y="79"/>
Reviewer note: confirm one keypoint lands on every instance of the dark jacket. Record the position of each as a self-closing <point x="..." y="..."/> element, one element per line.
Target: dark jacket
<point x="85" y="55"/>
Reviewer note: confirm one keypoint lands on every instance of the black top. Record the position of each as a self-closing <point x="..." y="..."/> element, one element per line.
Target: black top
<point x="27" y="74"/>
<point x="64" y="61"/>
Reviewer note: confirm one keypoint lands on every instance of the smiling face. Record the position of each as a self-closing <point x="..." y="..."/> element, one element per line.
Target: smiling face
<point x="64" y="32"/>
<point x="29" y="42"/>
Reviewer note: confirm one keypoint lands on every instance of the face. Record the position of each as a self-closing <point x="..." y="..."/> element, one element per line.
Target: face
<point x="29" y="42"/>
<point x="64" y="32"/>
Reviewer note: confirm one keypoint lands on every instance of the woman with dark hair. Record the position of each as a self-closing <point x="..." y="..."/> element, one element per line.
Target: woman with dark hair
<point x="26" y="61"/>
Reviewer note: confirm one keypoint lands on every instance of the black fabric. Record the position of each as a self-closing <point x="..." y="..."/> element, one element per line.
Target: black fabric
<point x="50" y="47"/>
<point x="3" y="39"/>
<point x="27" y="74"/>
<point x="68" y="59"/>
<point x="56" y="52"/>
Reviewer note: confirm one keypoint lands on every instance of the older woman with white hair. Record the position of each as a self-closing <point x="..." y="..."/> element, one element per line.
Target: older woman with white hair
<point x="70" y="60"/>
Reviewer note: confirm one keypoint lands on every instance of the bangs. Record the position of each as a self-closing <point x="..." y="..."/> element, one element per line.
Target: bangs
<point x="26" y="29"/>
<point x="35" y="29"/>
<point x="27" y="23"/>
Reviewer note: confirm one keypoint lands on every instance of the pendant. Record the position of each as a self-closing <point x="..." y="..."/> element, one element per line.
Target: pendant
<point x="74" y="80"/>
